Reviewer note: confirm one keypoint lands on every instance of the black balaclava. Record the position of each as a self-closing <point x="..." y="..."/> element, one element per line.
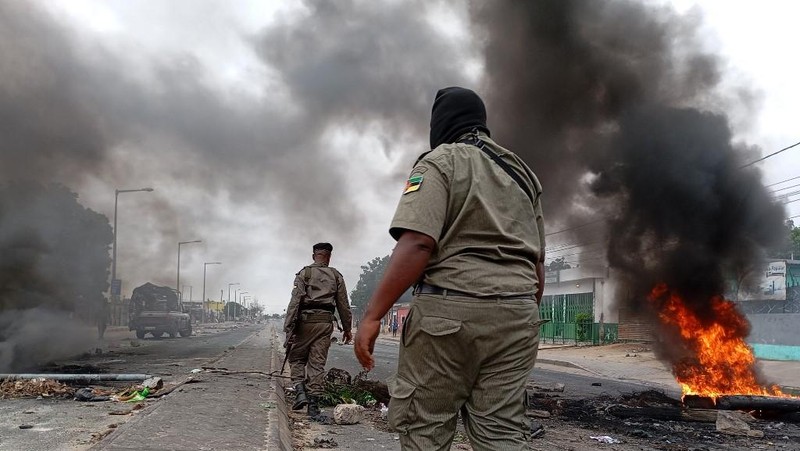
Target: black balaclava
<point x="456" y="111"/>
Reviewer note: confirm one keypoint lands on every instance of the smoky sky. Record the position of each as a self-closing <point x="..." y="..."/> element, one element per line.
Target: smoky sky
<point x="97" y="115"/>
<point x="561" y="80"/>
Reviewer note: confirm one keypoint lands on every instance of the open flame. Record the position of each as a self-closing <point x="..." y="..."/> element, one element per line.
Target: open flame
<point x="720" y="362"/>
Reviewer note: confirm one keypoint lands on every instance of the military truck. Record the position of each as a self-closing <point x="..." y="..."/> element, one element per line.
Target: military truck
<point x="157" y="310"/>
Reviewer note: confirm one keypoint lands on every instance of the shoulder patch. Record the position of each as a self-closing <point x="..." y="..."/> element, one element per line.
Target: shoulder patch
<point x="413" y="184"/>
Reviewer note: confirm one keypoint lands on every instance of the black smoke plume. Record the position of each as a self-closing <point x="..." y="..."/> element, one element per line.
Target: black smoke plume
<point x="53" y="273"/>
<point x="622" y="114"/>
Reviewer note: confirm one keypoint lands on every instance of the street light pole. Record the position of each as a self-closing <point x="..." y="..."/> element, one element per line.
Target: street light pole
<point x="228" y="310"/>
<point x="203" y="302"/>
<point x="239" y="299"/>
<point x="178" y="283"/>
<point x="117" y="192"/>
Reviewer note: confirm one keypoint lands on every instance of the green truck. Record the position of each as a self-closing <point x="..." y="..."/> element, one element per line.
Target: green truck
<point x="157" y="310"/>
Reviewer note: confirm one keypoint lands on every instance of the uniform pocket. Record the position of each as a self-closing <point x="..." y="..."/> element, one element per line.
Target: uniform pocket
<point x="401" y="406"/>
<point x="437" y="326"/>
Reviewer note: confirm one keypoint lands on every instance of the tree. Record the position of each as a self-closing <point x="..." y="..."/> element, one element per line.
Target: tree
<point x="557" y="265"/>
<point x="790" y="246"/>
<point x="371" y="274"/>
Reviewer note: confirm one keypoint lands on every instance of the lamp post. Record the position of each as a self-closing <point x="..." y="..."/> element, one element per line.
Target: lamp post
<point x="178" y="283"/>
<point x="117" y="192"/>
<point x="239" y="299"/>
<point x="228" y="310"/>
<point x="203" y="304"/>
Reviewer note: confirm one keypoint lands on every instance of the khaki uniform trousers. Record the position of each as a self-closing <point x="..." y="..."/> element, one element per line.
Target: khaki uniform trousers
<point x="469" y="355"/>
<point x="310" y="352"/>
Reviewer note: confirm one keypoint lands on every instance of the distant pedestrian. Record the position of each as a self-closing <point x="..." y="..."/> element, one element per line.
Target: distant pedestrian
<point x="319" y="291"/>
<point x="394" y="328"/>
<point x="470" y="234"/>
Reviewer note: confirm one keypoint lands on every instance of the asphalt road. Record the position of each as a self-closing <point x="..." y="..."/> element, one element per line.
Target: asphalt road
<point x="56" y="424"/>
<point x="577" y="384"/>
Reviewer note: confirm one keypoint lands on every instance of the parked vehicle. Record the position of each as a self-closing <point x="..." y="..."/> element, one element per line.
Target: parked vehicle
<point x="158" y="311"/>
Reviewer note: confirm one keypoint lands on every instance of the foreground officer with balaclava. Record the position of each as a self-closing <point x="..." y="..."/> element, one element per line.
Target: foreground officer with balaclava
<point x="470" y="235"/>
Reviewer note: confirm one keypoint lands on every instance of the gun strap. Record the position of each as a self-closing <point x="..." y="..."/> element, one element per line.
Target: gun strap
<point x="475" y="140"/>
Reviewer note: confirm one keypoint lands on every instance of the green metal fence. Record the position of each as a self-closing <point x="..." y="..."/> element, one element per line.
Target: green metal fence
<point x="571" y="320"/>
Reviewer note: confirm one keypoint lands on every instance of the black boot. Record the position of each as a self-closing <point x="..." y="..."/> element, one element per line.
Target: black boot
<point x="313" y="407"/>
<point x="300" y="398"/>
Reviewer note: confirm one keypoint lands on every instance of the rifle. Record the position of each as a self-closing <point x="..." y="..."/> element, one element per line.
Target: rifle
<point x="290" y="337"/>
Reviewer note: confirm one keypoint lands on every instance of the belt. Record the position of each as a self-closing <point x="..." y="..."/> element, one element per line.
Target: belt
<point x="424" y="288"/>
<point x="317" y="318"/>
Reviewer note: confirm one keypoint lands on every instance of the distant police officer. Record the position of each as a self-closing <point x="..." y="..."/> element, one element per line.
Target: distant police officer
<point x="319" y="291"/>
<point x="470" y="234"/>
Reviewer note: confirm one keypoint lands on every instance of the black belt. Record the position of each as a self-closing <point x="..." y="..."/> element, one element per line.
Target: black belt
<point x="326" y="307"/>
<point x="425" y="288"/>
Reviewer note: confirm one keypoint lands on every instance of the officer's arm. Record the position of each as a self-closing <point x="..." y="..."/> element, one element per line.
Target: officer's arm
<point x="342" y="305"/>
<point x="293" y="310"/>
<point x="408" y="262"/>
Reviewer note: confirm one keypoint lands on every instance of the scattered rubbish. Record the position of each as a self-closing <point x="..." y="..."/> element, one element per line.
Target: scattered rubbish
<point x="154" y="383"/>
<point x="231" y="348"/>
<point x="348" y="414"/>
<point x="34" y="388"/>
<point x="121" y="412"/>
<point x="268" y="405"/>
<point x="384" y="411"/>
<point x="597" y="384"/>
<point x="537" y="413"/>
<point x="735" y="423"/>
<point x="338" y="376"/>
<point x="88" y="394"/>
<point x="133" y="395"/>
<point x="360" y="391"/>
<point x="324" y="442"/>
<point x="196" y="370"/>
<point x="537" y="429"/>
<point x="135" y="343"/>
<point x="604" y="439"/>
<point x="26" y="426"/>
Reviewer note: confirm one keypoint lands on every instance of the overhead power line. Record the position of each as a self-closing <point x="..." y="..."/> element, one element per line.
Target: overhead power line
<point x="770" y="155"/>
<point x="783" y="181"/>
<point x="574" y="228"/>
<point x="784" y="188"/>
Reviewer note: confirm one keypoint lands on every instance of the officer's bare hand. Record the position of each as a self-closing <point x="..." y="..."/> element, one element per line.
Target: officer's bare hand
<point x="365" y="342"/>
<point x="347" y="336"/>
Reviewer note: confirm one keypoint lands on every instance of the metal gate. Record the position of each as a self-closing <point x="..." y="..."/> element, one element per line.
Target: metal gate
<point x="572" y="320"/>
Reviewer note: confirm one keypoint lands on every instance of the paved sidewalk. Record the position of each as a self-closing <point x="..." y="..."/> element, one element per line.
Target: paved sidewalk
<point x="227" y="412"/>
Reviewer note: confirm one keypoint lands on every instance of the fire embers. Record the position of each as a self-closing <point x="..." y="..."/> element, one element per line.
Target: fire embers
<point x="717" y="361"/>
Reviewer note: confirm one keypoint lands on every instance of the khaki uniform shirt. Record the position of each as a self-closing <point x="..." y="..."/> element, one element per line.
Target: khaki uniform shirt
<point x="489" y="236"/>
<point x="319" y="286"/>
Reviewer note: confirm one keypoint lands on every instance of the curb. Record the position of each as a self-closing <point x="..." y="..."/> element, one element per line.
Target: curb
<point x="280" y="431"/>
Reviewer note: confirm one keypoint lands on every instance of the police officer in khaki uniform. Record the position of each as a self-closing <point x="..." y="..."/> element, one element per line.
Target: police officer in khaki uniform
<point x="470" y="235"/>
<point x="319" y="291"/>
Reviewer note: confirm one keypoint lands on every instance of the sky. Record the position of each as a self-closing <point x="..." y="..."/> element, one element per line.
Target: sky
<point x="265" y="127"/>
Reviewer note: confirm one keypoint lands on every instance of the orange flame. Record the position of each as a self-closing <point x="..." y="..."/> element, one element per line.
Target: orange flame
<point x="721" y="363"/>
